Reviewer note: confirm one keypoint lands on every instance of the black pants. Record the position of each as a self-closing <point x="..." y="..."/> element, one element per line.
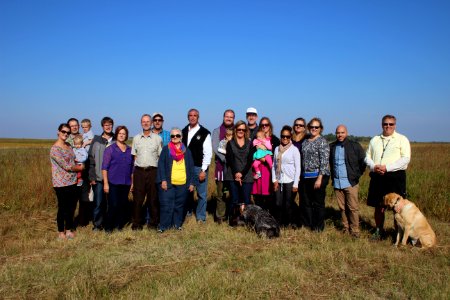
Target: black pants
<point x="85" y="207"/>
<point x="67" y="201"/>
<point x="285" y="204"/>
<point x="381" y="185"/>
<point x="312" y="204"/>
<point x="116" y="211"/>
<point x="144" y="186"/>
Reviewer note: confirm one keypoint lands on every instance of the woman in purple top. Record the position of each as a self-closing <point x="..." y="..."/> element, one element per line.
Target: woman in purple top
<point x="64" y="181"/>
<point x="117" y="168"/>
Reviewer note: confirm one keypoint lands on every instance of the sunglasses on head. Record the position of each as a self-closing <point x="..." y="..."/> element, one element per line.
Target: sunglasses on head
<point x="388" y="124"/>
<point x="66" y="132"/>
<point x="175" y="136"/>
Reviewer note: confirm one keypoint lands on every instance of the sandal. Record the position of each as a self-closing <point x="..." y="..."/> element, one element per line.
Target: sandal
<point x="70" y="235"/>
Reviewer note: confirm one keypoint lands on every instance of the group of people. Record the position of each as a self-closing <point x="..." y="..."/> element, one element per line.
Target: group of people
<point x="161" y="170"/>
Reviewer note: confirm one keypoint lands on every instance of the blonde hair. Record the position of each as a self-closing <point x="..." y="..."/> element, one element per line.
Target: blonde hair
<point x="78" y="139"/>
<point x="86" y="121"/>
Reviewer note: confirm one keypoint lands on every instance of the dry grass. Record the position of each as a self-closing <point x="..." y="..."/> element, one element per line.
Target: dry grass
<point x="212" y="261"/>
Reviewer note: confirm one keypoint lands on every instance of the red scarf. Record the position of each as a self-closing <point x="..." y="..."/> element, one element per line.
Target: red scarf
<point x="176" y="153"/>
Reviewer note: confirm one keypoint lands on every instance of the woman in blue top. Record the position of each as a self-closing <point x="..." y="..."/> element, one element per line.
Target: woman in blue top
<point x="175" y="178"/>
<point x="117" y="168"/>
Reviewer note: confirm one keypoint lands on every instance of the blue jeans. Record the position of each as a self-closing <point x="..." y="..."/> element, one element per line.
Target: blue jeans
<point x="171" y="206"/>
<point x="240" y="194"/>
<point x="202" y="188"/>
<point x="99" y="204"/>
<point x="117" y="201"/>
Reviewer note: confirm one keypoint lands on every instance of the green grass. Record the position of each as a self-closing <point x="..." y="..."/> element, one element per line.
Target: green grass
<point x="216" y="261"/>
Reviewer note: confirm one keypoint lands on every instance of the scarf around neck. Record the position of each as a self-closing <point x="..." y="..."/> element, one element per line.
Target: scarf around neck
<point x="281" y="150"/>
<point x="176" y="153"/>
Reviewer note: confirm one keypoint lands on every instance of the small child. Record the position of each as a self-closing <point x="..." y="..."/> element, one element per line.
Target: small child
<point x="223" y="143"/>
<point x="88" y="135"/>
<point x="263" y="149"/>
<point x="81" y="155"/>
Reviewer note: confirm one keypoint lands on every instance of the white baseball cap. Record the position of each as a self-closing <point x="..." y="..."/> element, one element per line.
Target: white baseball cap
<point x="252" y="110"/>
<point x="157" y="114"/>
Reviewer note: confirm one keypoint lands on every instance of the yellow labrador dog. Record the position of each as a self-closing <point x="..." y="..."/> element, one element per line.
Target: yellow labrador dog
<point x="411" y="222"/>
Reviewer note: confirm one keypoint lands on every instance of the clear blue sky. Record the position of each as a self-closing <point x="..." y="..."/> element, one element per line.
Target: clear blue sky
<point x="344" y="61"/>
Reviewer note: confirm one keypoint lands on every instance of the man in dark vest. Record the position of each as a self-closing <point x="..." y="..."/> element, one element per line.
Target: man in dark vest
<point x="198" y="139"/>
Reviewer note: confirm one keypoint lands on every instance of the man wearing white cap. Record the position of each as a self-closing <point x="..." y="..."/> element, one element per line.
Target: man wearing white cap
<point x="158" y="121"/>
<point x="252" y="118"/>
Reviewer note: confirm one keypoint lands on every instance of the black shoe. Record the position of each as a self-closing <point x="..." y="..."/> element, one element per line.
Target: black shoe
<point x="136" y="227"/>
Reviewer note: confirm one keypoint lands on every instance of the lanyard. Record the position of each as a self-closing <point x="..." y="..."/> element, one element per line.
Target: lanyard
<point x="384" y="148"/>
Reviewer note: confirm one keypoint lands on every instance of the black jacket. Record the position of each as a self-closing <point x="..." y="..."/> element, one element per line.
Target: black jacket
<point x="354" y="160"/>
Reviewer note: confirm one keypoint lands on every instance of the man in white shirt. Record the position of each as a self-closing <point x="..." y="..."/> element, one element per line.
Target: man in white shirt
<point x="198" y="139"/>
<point x="146" y="149"/>
<point x="387" y="157"/>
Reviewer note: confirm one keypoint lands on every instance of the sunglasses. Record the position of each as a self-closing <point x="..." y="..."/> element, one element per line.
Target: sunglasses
<point x="389" y="124"/>
<point x="299" y="125"/>
<point x="314" y="127"/>
<point x="175" y="136"/>
<point x="285" y="136"/>
<point x="240" y="130"/>
<point x="157" y="120"/>
<point x="66" y="132"/>
<point x="265" y="125"/>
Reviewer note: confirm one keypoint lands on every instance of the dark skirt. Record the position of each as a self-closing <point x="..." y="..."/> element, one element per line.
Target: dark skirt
<point x="380" y="185"/>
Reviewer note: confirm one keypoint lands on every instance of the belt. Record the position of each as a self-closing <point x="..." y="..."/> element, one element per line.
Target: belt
<point x="146" y="168"/>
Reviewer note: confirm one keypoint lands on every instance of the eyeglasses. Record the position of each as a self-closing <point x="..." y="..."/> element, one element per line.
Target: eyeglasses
<point x="285" y="136"/>
<point x="157" y="120"/>
<point x="265" y="125"/>
<point x="299" y="125"/>
<point x="175" y="136"/>
<point x="65" y="132"/>
<point x="240" y="130"/>
<point x="389" y="124"/>
<point x="314" y="127"/>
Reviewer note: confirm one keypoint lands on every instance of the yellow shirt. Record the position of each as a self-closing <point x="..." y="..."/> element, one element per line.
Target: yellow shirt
<point x="178" y="172"/>
<point x="393" y="151"/>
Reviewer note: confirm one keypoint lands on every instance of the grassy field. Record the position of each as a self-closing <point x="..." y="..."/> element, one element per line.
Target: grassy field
<point x="214" y="261"/>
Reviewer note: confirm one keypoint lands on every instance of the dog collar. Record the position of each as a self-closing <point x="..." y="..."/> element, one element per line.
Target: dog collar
<point x="400" y="203"/>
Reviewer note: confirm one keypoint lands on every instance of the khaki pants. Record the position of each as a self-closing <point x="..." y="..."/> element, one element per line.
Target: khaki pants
<point x="348" y="204"/>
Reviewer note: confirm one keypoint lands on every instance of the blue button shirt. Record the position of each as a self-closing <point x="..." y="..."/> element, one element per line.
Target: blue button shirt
<point x="165" y="136"/>
<point x="340" y="170"/>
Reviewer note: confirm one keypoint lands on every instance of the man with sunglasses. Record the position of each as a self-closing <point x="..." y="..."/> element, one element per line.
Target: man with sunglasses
<point x="198" y="139"/>
<point x="146" y="148"/>
<point x="346" y="166"/>
<point x="221" y="188"/>
<point x="387" y="156"/>
<point x="158" y="121"/>
<point x="252" y="118"/>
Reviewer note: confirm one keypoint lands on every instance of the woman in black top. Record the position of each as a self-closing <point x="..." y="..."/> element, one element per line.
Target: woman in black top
<point x="239" y="159"/>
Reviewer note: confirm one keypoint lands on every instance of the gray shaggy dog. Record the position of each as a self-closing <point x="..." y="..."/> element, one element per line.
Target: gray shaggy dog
<point x="261" y="220"/>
